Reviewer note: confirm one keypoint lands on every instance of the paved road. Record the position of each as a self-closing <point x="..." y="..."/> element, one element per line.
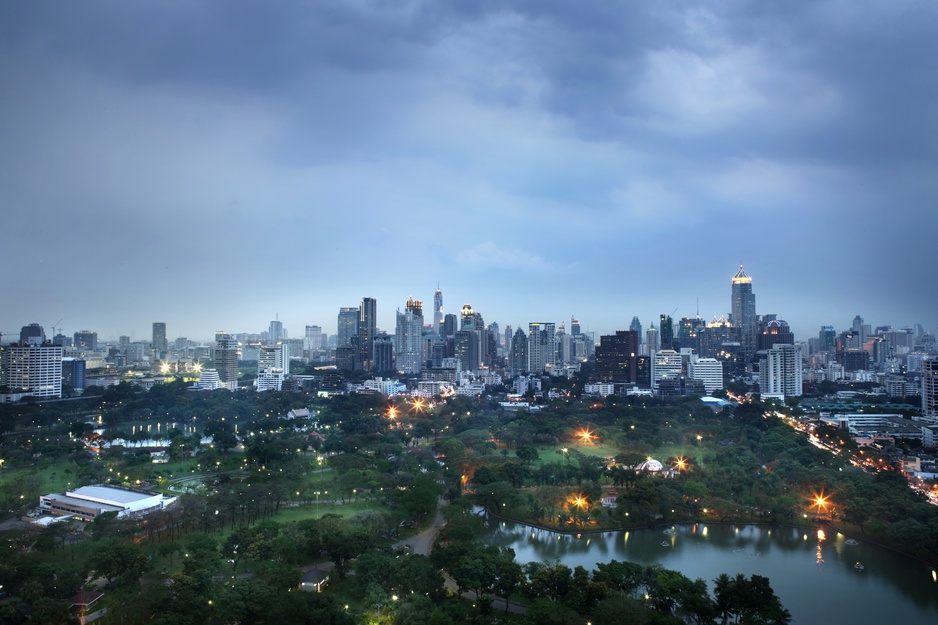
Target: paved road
<point x="422" y="543"/>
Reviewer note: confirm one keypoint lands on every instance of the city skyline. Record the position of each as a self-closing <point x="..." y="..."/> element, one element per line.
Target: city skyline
<point x="538" y="161"/>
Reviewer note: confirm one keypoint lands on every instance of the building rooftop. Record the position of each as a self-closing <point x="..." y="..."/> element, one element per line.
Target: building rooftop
<point x="109" y="495"/>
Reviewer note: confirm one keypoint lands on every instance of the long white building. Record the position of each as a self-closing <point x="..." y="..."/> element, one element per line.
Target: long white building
<point x="665" y="363"/>
<point x="88" y="502"/>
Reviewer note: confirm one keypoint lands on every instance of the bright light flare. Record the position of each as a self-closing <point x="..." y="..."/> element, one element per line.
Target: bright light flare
<point x="585" y="436"/>
<point x="680" y="464"/>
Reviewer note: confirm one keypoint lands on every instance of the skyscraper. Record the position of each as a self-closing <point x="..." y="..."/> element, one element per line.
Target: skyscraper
<point x="367" y="329"/>
<point x="32" y="368"/>
<point x="86" y="341"/>
<point x="652" y="340"/>
<point x="666" y="332"/>
<point x="438" y="310"/>
<point x="542" y="346"/>
<point x="616" y="358"/>
<point x="275" y="332"/>
<point x="518" y="357"/>
<point x="160" y="346"/>
<point x="636" y="327"/>
<point x="780" y="372"/>
<point x="274" y="357"/>
<point x="32" y="334"/>
<point x="347" y="327"/>
<point x="409" y="333"/>
<point x="930" y="388"/>
<point x="226" y="360"/>
<point x="744" y="312"/>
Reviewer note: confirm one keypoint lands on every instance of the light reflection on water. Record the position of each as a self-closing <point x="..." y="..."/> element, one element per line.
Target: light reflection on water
<point x="816" y="580"/>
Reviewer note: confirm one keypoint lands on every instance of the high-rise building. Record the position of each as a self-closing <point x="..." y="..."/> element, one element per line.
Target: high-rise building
<point x="383" y="350"/>
<point x="160" y="346"/>
<point x="32" y="334"/>
<point x="617" y="358"/>
<point x="409" y="334"/>
<point x="367" y="329"/>
<point x="707" y="370"/>
<point x="930" y="388"/>
<point x="226" y="360"/>
<point x="468" y="318"/>
<point x="665" y="364"/>
<point x="688" y="332"/>
<point x="466" y="345"/>
<point x="636" y="327"/>
<point x="666" y="332"/>
<point x="86" y="341"/>
<point x="780" y="372"/>
<point x="274" y="357"/>
<point x="313" y="338"/>
<point x="827" y="339"/>
<point x="652" y="340"/>
<point x="450" y="325"/>
<point x="438" y="310"/>
<point x="744" y="311"/>
<point x="348" y="326"/>
<point x="518" y="357"/>
<point x="32" y="368"/>
<point x="775" y="332"/>
<point x="73" y="372"/>
<point x="275" y="332"/>
<point x="542" y="346"/>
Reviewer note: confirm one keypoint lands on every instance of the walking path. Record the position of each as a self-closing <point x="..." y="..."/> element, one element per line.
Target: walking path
<point x="422" y="543"/>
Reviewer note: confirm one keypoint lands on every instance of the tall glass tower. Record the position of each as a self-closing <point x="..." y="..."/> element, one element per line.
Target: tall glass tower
<point x="744" y="312"/>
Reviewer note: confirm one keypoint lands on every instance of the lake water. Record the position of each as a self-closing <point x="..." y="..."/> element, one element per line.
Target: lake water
<point x="812" y="572"/>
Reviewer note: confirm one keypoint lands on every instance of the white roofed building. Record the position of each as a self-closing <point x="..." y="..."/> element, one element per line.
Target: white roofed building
<point x="87" y="502"/>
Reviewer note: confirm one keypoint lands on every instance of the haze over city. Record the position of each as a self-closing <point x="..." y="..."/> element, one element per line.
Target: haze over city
<point x="214" y="165"/>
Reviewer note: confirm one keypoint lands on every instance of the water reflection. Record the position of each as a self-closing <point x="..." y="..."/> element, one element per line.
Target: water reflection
<point x="816" y="579"/>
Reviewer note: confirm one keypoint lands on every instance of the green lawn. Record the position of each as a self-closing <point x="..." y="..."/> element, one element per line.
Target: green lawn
<point x="312" y="511"/>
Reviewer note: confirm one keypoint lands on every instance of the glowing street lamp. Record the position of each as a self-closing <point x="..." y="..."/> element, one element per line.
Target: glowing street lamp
<point x="680" y="464"/>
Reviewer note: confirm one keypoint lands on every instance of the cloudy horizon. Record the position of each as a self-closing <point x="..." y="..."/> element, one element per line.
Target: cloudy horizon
<point x="213" y="165"/>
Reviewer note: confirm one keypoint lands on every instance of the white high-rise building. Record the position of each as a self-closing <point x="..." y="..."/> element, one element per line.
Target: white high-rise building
<point x="32" y="369"/>
<point x="274" y="357"/>
<point x="665" y="363"/>
<point x="542" y="346"/>
<point x="438" y="310"/>
<point x="313" y="339"/>
<point x="930" y="387"/>
<point x="709" y="371"/>
<point x="409" y="336"/>
<point x="270" y="380"/>
<point x="780" y="372"/>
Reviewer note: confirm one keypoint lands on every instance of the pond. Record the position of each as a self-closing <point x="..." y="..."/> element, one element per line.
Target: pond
<point x="814" y="572"/>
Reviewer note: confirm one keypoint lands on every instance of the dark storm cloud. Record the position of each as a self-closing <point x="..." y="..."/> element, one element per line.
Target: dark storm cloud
<point x="625" y="156"/>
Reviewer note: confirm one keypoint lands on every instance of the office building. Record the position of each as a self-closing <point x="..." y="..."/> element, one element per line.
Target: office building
<point x="86" y="341"/>
<point x="73" y="373"/>
<point x="270" y="379"/>
<point x="367" y="329"/>
<point x="275" y="332"/>
<point x="636" y="327"/>
<point x="438" y="310"/>
<point x="313" y="339"/>
<point x="666" y="332"/>
<point x="617" y="358"/>
<point x="775" y="332"/>
<point x="273" y="357"/>
<point x="665" y="364"/>
<point x="32" y="369"/>
<point x="347" y="326"/>
<point x="160" y="345"/>
<point x="32" y="334"/>
<point x="744" y="312"/>
<point x="652" y="340"/>
<point x="226" y="360"/>
<point x="383" y="354"/>
<point x="780" y="372"/>
<point x="518" y="355"/>
<point x="707" y="370"/>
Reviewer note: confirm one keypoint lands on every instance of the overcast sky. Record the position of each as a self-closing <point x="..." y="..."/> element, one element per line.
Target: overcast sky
<point x="214" y="164"/>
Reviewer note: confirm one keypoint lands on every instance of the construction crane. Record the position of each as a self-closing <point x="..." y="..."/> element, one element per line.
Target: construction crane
<point x="54" y="326"/>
